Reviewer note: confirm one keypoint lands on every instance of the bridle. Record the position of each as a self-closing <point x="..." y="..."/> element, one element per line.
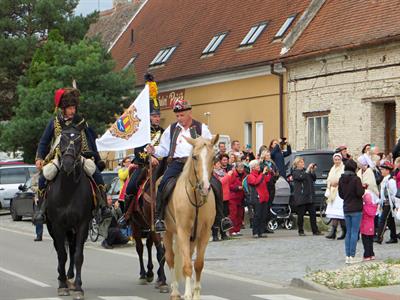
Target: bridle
<point x="196" y="188"/>
<point x="71" y="151"/>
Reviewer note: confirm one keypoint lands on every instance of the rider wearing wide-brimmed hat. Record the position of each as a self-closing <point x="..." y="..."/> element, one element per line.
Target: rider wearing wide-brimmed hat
<point x="66" y="102"/>
<point x="174" y="146"/>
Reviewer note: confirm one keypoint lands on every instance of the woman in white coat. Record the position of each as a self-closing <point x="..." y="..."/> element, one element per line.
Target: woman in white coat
<point x="334" y="209"/>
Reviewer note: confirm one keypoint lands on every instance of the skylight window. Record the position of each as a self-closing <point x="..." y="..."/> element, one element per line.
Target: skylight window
<point x="130" y="62"/>
<point x="163" y="56"/>
<point x="214" y="43"/>
<point x="253" y="34"/>
<point x="281" y="32"/>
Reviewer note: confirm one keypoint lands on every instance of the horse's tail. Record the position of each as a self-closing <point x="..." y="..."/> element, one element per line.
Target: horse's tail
<point x="178" y="260"/>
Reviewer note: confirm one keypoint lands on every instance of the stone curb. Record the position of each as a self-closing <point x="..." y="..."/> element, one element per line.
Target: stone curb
<point x="309" y="285"/>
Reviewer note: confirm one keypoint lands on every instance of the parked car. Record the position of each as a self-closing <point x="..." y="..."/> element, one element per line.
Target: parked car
<point x="11" y="177"/>
<point x="108" y="177"/>
<point x="23" y="202"/>
<point x="114" y="189"/>
<point x="323" y="159"/>
<point x="7" y="163"/>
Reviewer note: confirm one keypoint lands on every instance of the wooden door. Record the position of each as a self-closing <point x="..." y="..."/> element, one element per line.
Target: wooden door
<point x="390" y="126"/>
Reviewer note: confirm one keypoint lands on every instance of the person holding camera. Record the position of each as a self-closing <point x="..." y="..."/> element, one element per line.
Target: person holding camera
<point x="260" y="181"/>
<point x="304" y="194"/>
<point x="278" y="154"/>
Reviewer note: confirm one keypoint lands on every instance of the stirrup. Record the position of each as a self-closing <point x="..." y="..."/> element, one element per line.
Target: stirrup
<point x="160" y="226"/>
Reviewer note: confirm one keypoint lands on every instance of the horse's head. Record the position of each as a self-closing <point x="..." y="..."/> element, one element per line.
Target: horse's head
<point x="70" y="148"/>
<point x="202" y="159"/>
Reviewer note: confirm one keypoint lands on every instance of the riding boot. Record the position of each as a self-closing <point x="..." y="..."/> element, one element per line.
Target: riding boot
<point x="39" y="216"/>
<point x="343" y="226"/>
<point x="128" y="210"/>
<point x="332" y="233"/>
<point x="214" y="231"/>
<point x="160" y="213"/>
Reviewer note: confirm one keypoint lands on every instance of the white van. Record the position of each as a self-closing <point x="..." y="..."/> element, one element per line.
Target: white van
<point x="11" y="177"/>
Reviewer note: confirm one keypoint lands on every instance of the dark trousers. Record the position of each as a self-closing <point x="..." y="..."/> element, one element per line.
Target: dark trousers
<point x="39" y="230"/>
<point x="301" y="211"/>
<point x="368" y="243"/>
<point x="260" y="215"/>
<point x="387" y="219"/>
<point x="226" y="208"/>
<point x="174" y="169"/>
<point x="133" y="184"/>
<point x="115" y="236"/>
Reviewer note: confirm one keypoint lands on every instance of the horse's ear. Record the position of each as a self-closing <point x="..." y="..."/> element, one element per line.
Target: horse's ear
<point x="215" y="139"/>
<point x="190" y="140"/>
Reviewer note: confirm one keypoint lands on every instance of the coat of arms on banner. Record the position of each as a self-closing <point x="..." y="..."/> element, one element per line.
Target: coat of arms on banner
<point x="126" y="125"/>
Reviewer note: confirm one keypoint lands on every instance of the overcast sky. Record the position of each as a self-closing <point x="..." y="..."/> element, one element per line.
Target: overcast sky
<point x="87" y="6"/>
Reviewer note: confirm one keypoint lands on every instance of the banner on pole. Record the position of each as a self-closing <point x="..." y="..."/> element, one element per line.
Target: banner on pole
<point x="132" y="128"/>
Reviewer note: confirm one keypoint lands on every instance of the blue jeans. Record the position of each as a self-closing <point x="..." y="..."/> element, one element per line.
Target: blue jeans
<point x="353" y="221"/>
<point x="39" y="230"/>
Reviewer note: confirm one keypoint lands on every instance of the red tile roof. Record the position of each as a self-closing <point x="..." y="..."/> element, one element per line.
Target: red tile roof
<point x="191" y="24"/>
<point x="112" y="21"/>
<point x="349" y="23"/>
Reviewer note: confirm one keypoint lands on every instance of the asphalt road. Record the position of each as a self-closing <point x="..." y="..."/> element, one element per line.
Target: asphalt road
<point x="28" y="271"/>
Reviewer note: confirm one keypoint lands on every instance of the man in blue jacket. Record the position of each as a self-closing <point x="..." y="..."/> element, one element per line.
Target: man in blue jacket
<point x="67" y="100"/>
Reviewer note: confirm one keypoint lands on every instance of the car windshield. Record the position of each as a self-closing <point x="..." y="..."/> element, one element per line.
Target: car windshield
<point x="12" y="176"/>
<point x="323" y="160"/>
<point x="108" y="177"/>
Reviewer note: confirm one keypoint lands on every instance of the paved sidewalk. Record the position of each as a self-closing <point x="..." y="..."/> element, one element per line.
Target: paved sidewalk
<point x="381" y="293"/>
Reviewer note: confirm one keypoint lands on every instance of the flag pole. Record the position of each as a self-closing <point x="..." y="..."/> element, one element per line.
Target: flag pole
<point x="151" y="194"/>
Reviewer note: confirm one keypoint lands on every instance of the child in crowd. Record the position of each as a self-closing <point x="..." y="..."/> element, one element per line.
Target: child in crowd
<point x="367" y="227"/>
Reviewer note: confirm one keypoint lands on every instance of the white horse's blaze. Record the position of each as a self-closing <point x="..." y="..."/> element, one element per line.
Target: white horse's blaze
<point x="206" y="180"/>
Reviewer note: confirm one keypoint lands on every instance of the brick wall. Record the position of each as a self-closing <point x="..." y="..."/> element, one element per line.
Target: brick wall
<point x="354" y="98"/>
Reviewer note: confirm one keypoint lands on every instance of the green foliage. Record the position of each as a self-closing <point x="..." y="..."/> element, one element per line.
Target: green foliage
<point x="103" y="91"/>
<point x="24" y="25"/>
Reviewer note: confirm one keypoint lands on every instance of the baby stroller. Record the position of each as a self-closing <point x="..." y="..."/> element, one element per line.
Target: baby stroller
<point x="280" y="212"/>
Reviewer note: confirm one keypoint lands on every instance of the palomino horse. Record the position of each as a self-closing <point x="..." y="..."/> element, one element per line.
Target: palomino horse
<point x="141" y="221"/>
<point x="69" y="211"/>
<point x="189" y="217"/>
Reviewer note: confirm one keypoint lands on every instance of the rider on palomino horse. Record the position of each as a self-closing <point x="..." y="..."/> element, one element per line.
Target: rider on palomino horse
<point x="141" y="160"/>
<point x="174" y="146"/>
<point x="68" y="100"/>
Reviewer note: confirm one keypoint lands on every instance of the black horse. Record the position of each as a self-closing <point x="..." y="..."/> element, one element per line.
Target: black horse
<point x="141" y="224"/>
<point x="69" y="211"/>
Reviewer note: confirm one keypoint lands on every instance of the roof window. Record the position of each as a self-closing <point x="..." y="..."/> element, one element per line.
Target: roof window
<point x="253" y="34"/>
<point x="281" y="32"/>
<point x="130" y="62"/>
<point x="214" y="43"/>
<point x="163" y="56"/>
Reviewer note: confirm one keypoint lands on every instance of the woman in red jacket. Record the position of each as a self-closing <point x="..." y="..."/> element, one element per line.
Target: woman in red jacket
<point x="259" y="180"/>
<point x="236" y="197"/>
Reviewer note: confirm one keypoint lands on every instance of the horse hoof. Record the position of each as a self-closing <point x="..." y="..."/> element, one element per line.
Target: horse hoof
<point x="164" y="289"/>
<point x="142" y="281"/>
<point x="175" y="297"/>
<point x="150" y="279"/>
<point x="63" y="292"/>
<point x="71" y="285"/>
<point x="78" y="295"/>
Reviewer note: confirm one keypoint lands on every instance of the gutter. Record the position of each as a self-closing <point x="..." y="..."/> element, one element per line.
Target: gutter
<point x="280" y="75"/>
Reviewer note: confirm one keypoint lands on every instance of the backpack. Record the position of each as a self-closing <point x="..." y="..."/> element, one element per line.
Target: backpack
<point x="250" y="193"/>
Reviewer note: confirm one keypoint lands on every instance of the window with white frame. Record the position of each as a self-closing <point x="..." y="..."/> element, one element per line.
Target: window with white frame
<point x="285" y="26"/>
<point x="214" y="43"/>
<point x="317" y="132"/>
<point x="162" y="56"/>
<point x="253" y="34"/>
<point x="259" y="134"/>
<point x="248" y="130"/>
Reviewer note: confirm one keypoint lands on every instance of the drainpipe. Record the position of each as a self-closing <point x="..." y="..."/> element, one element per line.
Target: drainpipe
<point x="280" y="75"/>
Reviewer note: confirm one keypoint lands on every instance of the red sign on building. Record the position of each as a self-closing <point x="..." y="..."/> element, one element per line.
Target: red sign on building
<point x="167" y="99"/>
